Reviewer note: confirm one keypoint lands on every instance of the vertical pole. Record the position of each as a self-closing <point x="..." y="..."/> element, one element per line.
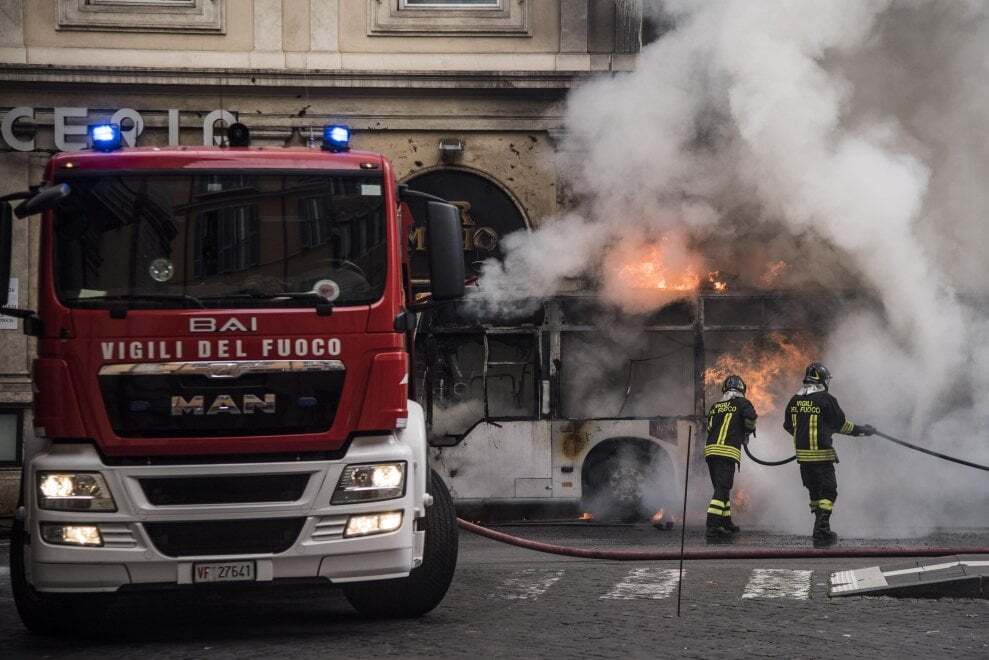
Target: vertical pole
<point x="683" y="519"/>
<point x="700" y="360"/>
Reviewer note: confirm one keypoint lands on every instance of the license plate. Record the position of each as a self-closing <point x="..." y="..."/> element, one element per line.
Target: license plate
<point x="231" y="571"/>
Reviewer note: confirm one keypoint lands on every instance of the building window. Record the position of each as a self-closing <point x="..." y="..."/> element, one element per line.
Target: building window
<point x="11" y="436"/>
<point x="505" y="18"/>
<point x="142" y="15"/>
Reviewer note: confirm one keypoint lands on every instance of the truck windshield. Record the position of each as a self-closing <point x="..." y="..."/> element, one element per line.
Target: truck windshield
<point x="221" y="240"/>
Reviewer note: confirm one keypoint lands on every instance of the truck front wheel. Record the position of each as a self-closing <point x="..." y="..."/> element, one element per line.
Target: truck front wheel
<point x="45" y="613"/>
<point x="426" y="585"/>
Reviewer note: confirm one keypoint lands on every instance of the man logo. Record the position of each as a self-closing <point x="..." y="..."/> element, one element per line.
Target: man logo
<point x="208" y="324"/>
<point x="223" y="404"/>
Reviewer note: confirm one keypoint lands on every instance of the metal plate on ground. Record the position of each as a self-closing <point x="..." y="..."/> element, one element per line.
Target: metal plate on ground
<point x="964" y="576"/>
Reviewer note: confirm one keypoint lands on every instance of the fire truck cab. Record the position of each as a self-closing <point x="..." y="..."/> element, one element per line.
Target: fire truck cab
<point x="222" y="378"/>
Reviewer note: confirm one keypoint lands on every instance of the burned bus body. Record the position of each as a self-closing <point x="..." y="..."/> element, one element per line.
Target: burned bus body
<point x="577" y="407"/>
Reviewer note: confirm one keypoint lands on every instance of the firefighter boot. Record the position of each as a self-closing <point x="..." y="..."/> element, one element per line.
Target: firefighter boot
<point x="823" y="536"/>
<point x="730" y="526"/>
<point x="716" y="531"/>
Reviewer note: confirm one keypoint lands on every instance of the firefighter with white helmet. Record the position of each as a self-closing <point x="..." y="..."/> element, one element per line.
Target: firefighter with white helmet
<point x="729" y="423"/>
<point x="812" y="417"/>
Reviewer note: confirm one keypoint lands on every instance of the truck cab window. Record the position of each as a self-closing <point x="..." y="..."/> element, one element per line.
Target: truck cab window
<point x="221" y="240"/>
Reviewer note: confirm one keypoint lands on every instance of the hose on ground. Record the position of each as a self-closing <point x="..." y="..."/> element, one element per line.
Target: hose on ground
<point x="902" y="443"/>
<point x="746" y="553"/>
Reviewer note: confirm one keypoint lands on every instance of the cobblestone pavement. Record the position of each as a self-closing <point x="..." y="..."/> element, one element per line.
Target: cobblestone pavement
<point x="508" y="602"/>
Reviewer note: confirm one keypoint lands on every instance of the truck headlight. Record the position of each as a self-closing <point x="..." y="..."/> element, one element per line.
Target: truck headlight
<point x="373" y="523"/>
<point x="74" y="491"/>
<point x="370" y="483"/>
<point x="71" y="534"/>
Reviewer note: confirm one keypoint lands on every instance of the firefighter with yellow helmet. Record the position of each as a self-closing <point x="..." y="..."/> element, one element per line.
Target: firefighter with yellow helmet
<point x="729" y="423"/>
<point x="812" y="416"/>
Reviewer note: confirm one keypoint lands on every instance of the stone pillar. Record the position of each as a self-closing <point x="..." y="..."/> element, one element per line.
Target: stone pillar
<point x="628" y="34"/>
<point x="268" y="52"/>
<point x="324" y="34"/>
<point x="628" y="26"/>
<point x="573" y="54"/>
<point x="12" y="48"/>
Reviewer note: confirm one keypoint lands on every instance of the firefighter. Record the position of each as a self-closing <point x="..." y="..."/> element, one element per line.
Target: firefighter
<point x="812" y="416"/>
<point x="729" y="423"/>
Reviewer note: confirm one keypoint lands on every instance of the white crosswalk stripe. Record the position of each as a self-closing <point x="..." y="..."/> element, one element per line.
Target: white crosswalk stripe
<point x="778" y="583"/>
<point x="645" y="583"/>
<point x="527" y="584"/>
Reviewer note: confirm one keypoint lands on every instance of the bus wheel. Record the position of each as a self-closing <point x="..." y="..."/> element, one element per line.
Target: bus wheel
<point x="426" y="585"/>
<point x="626" y="484"/>
<point x="621" y="477"/>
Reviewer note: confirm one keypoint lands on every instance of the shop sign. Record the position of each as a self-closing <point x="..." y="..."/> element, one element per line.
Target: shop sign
<point x="487" y="214"/>
<point x="69" y="125"/>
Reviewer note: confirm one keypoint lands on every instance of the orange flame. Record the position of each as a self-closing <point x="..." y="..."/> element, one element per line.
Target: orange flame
<point x="587" y="516"/>
<point x="771" y="370"/>
<point x="647" y="268"/>
<point x="657" y="517"/>
<point x="773" y="273"/>
<point x="642" y="274"/>
<point x="719" y="285"/>
<point x="740" y="500"/>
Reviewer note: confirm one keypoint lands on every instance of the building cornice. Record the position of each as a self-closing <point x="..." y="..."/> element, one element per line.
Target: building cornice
<point x="508" y="81"/>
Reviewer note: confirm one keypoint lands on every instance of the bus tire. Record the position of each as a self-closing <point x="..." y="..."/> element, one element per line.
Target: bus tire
<point x="425" y="587"/>
<point x="46" y="613"/>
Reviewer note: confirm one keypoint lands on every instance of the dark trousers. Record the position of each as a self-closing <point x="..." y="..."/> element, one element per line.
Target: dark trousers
<point x="722" y="478"/>
<point x="821" y="483"/>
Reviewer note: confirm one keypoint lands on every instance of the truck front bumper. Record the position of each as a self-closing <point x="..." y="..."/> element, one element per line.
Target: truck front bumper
<point x="145" y="544"/>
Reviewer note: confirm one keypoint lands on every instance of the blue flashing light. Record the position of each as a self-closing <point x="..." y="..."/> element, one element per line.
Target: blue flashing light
<point x="105" y="137"/>
<point x="336" y="137"/>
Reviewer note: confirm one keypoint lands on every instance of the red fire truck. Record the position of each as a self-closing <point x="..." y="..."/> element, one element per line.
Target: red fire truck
<point x="222" y="378"/>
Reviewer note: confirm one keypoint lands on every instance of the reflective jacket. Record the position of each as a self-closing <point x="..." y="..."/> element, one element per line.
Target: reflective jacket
<point x="812" y="417"/>
<point x="728" y="423"/>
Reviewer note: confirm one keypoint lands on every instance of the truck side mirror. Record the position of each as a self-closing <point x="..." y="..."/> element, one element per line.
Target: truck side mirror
<point x="44" y="199"/>
<point x="446" y="251"/>
<point x="6" y="247"/>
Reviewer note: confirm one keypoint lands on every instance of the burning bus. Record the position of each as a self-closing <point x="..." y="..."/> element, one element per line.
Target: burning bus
<point x="578" y="406"/>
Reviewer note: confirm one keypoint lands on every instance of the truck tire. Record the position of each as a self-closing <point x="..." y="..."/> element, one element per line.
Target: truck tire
<point x="413" y="596"/>
<point x="45" y="613"/>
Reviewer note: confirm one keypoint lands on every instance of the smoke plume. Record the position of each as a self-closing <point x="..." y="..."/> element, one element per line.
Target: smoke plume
<point x="848" y="138"/>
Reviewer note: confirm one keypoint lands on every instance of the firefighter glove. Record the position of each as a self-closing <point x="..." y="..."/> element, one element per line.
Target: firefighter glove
<point x="867" y="429"/>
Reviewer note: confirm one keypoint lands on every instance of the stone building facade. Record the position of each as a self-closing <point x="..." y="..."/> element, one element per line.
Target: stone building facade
<point x="484" y="78"/>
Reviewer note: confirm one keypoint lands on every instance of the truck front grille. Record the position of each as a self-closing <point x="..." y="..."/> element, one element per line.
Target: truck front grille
<point x="188" y="399"/>
<point x="224" y="537"/>
<point x="233" y="489"/>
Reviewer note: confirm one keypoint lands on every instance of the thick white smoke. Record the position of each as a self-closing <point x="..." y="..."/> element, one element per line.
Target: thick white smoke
<point x="856" y="131"/>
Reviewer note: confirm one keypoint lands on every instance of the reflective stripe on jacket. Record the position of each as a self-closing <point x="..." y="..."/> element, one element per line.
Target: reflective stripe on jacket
<point x="812" y="418"/>
<point x="728" y="422"/>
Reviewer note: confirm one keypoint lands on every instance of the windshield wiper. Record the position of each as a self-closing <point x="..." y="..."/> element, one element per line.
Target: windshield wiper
<point x="139" y="297"/>
<point x="323" y="306"/>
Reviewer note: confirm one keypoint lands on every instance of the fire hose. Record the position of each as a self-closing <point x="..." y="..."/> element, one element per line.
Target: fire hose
<point x="903" y="443"/>
<point x="746" y="553"/>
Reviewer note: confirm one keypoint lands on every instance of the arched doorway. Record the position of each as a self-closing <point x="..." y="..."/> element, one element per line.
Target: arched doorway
<point x="487" y="212"/>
